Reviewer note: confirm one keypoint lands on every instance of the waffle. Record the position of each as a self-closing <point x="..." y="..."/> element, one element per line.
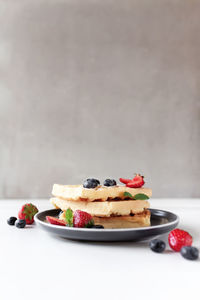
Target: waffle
<point x="101" y="193"/>
<point x="103" y="209"/>
<point x="107" y="205"/>
<point x="137" y="220"/>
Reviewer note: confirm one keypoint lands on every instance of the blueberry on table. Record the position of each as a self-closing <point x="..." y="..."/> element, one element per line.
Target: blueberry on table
<point x="11" y="221"/>
<point x="157" y="245"/>
<point x="20" y="223"/>
<point x="190" y="252"/>
<point x="91" y="183"/>
<point x="98" y="226"/>
<point x="109" y="182"/>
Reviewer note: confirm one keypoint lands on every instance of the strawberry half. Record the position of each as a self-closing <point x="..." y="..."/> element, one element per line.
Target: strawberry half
<point x="82" y="219"/>
<point x="136" y="182"/>
<point x="27" y="213"/>
<point x="55" y="221"/>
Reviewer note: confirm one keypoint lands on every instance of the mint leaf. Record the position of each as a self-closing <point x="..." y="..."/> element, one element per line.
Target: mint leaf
<point x="127" y="194"/>
<point x="69" y="217"/>
<point x="136" y="197"/>
<point x="141" y="197"/>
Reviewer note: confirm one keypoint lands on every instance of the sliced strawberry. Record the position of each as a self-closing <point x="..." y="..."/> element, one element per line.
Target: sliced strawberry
<point x="136" y="182"/>
<point x="55" y="221"/>
<point x="125" y="181"/>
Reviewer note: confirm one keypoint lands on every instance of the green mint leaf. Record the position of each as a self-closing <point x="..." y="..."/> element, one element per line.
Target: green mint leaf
<point x="127" y="194"/>
<point x="136" y="197"/>
<point x="69" y="217"/>
<point x="141" y="197"/>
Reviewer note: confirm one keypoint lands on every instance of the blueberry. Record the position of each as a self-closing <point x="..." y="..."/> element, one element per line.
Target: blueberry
<point x="109" y="182"/>
<point x="98" y="226"/>
<point x="95" y="180"/>
<point x="20" y="223"/>
<point x="11" y="221"/>
<point x="157" y="245"/>
<point x="91" y="183"/>
<point x="189" y="252"/>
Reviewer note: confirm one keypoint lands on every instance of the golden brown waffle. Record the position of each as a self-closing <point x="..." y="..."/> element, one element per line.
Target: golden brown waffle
<point x="103" y="209"/>
<point x="101" y="193"/>
<point x="135" y="221"/>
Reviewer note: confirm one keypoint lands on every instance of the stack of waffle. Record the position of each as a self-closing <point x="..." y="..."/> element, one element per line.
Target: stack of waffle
<point x="112" y="207"/>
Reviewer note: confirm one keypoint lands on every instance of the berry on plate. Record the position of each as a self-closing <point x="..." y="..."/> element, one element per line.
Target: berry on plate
<point x="11" y="221"/>
<point x="125" y="181"/>
<point x="109" y="182"/>
<point x="136" y="182"/>
<point x="190" y="253"/>
<point x="55" y="221"/>
<point x="98" y="226"/>
<point x="82" y="219"/>
<point x="27" y="213"/>
<point x="157" y="245"/>
<point x="178" y="238"/>
<point x="20" y="223"/>
<point x="91" y="183"/>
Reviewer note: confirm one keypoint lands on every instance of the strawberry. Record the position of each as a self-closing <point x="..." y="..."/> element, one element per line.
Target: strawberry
<point x="178" y="238"/>
<point x="136" y="182"/>
<point x="125" y="181"/>
<point x="82" y="219"/>
<point x="27" y="213"/>
<point x="55" y="221"/>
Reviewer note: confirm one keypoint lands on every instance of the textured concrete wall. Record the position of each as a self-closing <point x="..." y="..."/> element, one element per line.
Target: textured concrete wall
<point x="99" y="88"/>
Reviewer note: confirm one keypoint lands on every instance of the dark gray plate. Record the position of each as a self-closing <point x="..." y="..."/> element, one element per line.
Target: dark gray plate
<point x="161" y="222"/>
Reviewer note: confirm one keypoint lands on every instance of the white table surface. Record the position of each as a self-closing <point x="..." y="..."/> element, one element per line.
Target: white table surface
<point x="36" y="265"/>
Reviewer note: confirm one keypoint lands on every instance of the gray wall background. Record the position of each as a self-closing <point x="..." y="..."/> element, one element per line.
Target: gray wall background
<point x="99" y="88"/>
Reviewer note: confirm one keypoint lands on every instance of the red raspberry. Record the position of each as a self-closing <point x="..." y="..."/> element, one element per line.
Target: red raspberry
<point x="82" y="219"/>
<point x="178" y="238"/>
